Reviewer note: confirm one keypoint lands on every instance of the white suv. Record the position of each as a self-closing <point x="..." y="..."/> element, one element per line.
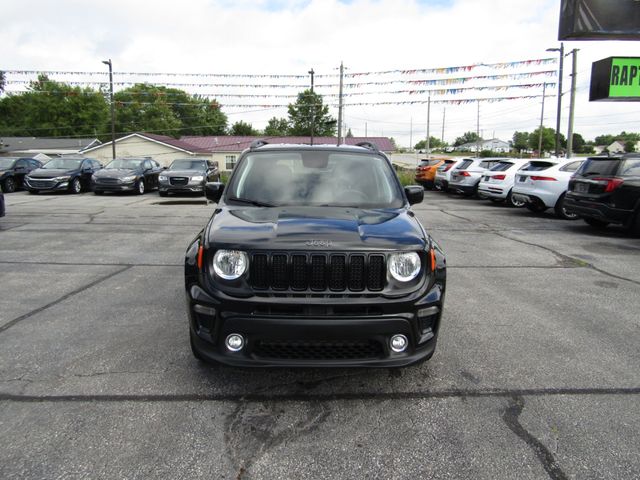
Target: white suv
<point x="543" y="184"/>
<point x="443" y="173"/>
<point x="465" y="177"/>
<point x="497" y="182"/>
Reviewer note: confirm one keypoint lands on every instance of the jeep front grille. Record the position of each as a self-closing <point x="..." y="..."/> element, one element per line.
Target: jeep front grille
<point x="336" y="272"/>
<point x="319" y="350"/>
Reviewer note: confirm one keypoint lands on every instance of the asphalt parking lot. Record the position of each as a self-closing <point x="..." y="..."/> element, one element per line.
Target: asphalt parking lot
<point x="536" y="374"/>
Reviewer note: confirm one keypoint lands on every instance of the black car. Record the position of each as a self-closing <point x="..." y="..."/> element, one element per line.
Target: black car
<point x="188" y="175"/>
<point x="131" y="174"/>
<point x="313" y="258"/>
<point x="71" y="174"/>
<point x="13" y="170"/>
<point x="606" y="190"/>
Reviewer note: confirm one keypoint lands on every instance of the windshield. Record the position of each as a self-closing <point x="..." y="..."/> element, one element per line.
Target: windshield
<point x="188" y="165"/>
<point x="63" y="163"/>
<point x="314" y="178"/>
<point x="7" y="163"/>
<point x="124" y="163"/>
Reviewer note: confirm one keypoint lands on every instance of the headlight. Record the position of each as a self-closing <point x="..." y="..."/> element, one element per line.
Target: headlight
<point x="197" y="178"/>
<point x="404" y="267"/>
<point x="162" y="178"/>
<point x="230" y="264"/>
<point x="62" y="179"/>
<point x="128" y="179"/>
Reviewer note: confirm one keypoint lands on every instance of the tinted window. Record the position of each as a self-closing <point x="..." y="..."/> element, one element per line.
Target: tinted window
<point x="501" y="167"/>
<point x="188" y="165"/>
<point x="487" y="163"/>
<point x="537" y="166"/>
<point x="63" y="163"/>
<point x="125" y="163"/>
<point x="316" y="178"/>
<point x="464" y="164"/>
<point x="571" y="167"/>
<point x="600" y="166"/>
<point x="21" y="164"/>
<point x="35" y="164"/>
<point x="6" y="163"/>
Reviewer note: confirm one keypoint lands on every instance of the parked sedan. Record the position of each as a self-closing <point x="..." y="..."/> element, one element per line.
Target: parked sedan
<point x="131" y="174"/>
<point x="606" y="190"/>
<point x="188" y="175"/>
<point x="497" y="183"/>
<point x="13" y="170"/>
<point x="465" y="178"/>
<point x="71" y="174"/>
<point x="543" y="184"/>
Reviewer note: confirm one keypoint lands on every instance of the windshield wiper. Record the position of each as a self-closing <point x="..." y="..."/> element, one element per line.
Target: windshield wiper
<point x="250" y="202"/>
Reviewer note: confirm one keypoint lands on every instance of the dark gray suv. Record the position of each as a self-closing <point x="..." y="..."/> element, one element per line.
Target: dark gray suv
<point x="188" y="175"/>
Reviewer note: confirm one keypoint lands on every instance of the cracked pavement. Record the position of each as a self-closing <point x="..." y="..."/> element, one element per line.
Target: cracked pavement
<point x="536" y="374"/>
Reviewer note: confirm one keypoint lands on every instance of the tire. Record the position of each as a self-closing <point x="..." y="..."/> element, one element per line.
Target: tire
<point x="513" y="202"/>
<point x="535" y="207"/>
<point x="163" y="194"/>
<point x="595" y="223"/>
<point x="561" y="212"/>
<point x="75" y="187"/>
<point x="140" y="187"/>
<point x="9" y="185"/>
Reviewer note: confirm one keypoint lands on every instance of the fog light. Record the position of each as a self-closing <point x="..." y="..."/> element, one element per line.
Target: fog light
<point x="399" y="343"/>
<point x="234" y="342"/>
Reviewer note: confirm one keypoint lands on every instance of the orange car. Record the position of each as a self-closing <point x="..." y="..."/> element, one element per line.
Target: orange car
<point x="426" y="171"/>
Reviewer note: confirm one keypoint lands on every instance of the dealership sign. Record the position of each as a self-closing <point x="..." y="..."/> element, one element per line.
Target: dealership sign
<point x="615" y="79"/>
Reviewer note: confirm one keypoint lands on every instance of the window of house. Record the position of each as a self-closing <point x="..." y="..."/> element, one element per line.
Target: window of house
<point x="230" y="161"/>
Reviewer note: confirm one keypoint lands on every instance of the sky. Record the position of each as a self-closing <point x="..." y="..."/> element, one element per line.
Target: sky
<point x="260" y="39"/>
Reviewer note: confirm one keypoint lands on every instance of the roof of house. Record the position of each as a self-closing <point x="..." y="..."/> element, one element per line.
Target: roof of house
<point x="43" y="144"/>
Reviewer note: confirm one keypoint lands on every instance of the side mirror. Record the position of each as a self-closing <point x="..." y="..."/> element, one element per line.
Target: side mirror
<point x="213" y="191"/>
<point x="414" y="193"/>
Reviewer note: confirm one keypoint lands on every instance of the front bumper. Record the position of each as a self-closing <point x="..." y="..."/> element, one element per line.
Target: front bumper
<point x="189" y="188"/>
<point x="598" y="210"/>
<point x="115" y="187"/>
<point x="312" y="332"/>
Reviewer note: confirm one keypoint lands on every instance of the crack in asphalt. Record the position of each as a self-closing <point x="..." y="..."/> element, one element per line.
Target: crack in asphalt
<point x="511" y="417"/>
<point x="329" y="397"/>
<point x="11" y="323"/>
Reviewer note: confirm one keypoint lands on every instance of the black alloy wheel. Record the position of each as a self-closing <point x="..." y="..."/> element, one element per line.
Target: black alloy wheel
<point x="9" y="185"/>
<point x="75" y="186"/>
<point x="140" y="187"/>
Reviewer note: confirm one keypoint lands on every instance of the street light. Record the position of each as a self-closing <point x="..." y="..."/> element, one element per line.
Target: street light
<point x="559" y="113"/>
<point x="572" y="103"/>
<point x="113" y="113"/>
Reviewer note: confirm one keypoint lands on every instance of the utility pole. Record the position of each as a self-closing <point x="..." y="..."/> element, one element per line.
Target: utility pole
<point x="113" y="112"/>
<point x="411" y="134"/>
<point x="428" y="145"/>
<point x="340" y="105"/>
<point x="559" y="112"/>
<point x="313" y="108"/>
<point x="572" y="102"/>
<point x="478" y="131"/>
<point x="444" y="114"/>
<point x="544" y="90"/>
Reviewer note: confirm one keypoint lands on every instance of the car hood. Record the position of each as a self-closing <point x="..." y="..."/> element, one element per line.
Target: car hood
<point x="183" y="173"/>
<point x="315" y="228"/>
<point x="115" y="173"/>
<point x="51" y="172"/>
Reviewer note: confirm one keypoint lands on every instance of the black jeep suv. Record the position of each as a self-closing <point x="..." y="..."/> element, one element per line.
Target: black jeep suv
<point x="606" y="190"/>
<point x="313" y="257"/>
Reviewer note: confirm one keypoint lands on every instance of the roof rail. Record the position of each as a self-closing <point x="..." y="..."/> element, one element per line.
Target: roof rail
<point x="369" y="146"/>
<point x="257" y="144"/>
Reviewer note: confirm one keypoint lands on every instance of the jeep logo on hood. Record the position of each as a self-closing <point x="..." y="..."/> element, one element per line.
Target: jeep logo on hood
<point x="318" y="243"/>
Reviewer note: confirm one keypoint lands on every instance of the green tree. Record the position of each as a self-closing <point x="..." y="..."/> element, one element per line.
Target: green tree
<point x="468" y="137"/>
<point x="54" y="109"/>
<point x="604" y="140"/>
<point x="147" y="108"/>
<point x="241" y="128"/>
<point x="434" y="144"/>
<point x="198" y="115"/>
<point x="548" y="139"/>
<point x="2" y="81"/>
<point x="277" y="127"/>
<point x="578" y="143"/>
<point x="630" y="146"/>
<point x="521" y="141"/>
<point x="309" y="104"/>
<point x="349" y="134"/>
